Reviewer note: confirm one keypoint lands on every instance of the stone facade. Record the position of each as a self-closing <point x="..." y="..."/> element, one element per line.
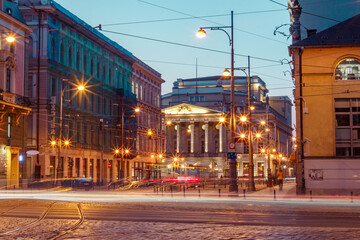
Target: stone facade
<point x="14" y="108"/>
<point x="96" y="122"/>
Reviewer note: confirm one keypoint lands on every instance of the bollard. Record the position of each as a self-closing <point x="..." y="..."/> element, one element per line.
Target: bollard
<point x="214" y="185"/>
<point x="199" y="192"/>
<point x="184" y="191"/>
<point x="310" y="195"/>
<point x="162" y="190"/>
<point x="154" y="189"/>
<point x="274" y="194"/>
<point x="351" y="193"/>
<point x="225" y="185"/>
<point x="203" y="185"/>
<point x="171" y="190"/>
<point x="219" y="192"/>
<point x="244" y="193"/>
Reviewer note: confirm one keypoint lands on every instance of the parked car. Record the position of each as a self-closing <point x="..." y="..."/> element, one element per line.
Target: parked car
<point x="78" y="183"/>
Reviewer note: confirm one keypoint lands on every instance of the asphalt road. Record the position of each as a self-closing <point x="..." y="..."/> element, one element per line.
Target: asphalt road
<point x="44" y="219"/>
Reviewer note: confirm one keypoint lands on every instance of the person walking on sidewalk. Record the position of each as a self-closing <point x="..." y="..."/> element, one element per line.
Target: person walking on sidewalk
<point x="280" y="175"/>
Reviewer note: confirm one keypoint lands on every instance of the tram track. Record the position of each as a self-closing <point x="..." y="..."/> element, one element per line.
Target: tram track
<point x="27" y="225"/>
<point x="74" y="227"/>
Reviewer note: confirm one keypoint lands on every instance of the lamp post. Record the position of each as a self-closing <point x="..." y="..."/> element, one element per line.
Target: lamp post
<point x="251" y="186"/>
<point x="66" y="143"/>
<point x="233" y="187"/>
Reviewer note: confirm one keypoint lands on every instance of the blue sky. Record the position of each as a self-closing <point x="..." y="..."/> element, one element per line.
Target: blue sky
<point x="254" y="23"/>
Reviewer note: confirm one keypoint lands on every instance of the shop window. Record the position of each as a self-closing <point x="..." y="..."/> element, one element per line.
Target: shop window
<point x="348" y="69"/>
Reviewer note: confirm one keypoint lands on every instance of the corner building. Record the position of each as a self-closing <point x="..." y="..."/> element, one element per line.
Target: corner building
<point x="65" y="52"/>
<point x="14" y="107"/>
<point x="327" y="75"/>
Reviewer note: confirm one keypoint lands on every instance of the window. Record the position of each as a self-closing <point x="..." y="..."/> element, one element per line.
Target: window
<point x="197" y="98"/>
<point x="348" y="69"/>
<point x="9" y="126"/>
<point x="78" y="61"/>
<point x="347" y="127"/>
<point x="260" y="169"/>
<point x="8" y="80"/>
<point x="70" y="57"/>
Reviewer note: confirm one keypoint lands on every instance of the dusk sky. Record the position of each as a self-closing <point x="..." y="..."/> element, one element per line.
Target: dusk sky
<point x="178" y="21"/>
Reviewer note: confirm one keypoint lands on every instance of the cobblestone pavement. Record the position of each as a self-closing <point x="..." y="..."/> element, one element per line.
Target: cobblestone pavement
<point x="145" y="230"/>
<point x="179" y="220"/>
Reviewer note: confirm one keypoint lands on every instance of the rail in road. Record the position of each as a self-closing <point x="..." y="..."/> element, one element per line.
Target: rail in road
<point x="50" y="211"/>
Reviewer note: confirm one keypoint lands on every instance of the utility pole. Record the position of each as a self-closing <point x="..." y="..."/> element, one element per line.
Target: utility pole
<point x="251" y="186"/>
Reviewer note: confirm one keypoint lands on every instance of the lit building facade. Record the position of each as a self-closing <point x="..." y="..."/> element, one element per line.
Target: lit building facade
<point x="66" y="52"/>
<point x="197" y="135"/>
<point x="14" y="108"/>
<point x="150" y="148"/>
<point x="326" y="72"/>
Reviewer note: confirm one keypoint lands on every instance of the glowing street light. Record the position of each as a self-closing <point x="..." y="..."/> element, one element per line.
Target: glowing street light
<point x="242" y="135"/>
<point x="252" y="108"/>
<point x="127" y="151"/>
<point x="53" y="143"/>
<point x="226" y="73"/>
<point x="262" y="122"/>
<point x="221" y="119"/>
<point x="10" y="39"/>
<point x="274" y="150"/>
<point x="263" y="150"/>
<point x="243" y="118"/>
<point x="258" y="135"/>
<point x="201" y="33"/>
<point x="66" y="143"/>
<point x="150" y="132"/>
<point x="137" y="110"/>
<point x="117" y="151"/>
<point x="81" y="87"/>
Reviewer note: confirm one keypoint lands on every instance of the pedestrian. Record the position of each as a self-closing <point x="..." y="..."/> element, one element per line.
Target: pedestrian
<point x="280" y="177"/>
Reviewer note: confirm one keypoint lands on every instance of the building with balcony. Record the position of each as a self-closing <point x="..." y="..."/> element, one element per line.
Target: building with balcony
<point x="150" y="148"/>
<point x="326" y="72"/>
<point x="199" y="141"/>
<point x="65" y="52"/>
<point x="14" y="108"/>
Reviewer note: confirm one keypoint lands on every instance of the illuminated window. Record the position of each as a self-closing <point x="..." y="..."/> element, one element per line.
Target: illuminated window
<point x="348" y="69"/>
<point x="9" y="126"/>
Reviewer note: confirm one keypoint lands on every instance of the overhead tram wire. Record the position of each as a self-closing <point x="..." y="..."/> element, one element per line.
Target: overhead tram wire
<point x="189" y="46"/>
<point x="186" y="14"/>
<point x="188" y="18"/>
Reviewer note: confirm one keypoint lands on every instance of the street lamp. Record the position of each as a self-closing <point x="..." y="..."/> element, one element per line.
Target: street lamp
<point x="66" y="142"/>
<point x="10" y="39"/>
<point x="233" y="187"/>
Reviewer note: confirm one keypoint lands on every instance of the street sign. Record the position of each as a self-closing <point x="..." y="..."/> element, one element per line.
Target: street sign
<point x="231" y="155"/>
<point x="109" y="165"/>
<point x="32" y="152"/>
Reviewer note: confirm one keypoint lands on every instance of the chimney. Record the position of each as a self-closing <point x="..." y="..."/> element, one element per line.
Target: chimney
<point x="311" y="32"/>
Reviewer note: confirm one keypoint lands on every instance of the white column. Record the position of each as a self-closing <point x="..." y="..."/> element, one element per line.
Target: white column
<point x="178" y="138"/>
<point x="206" y="137"/>
<point x="192" y="137"/>
<point x="221" y="137"/>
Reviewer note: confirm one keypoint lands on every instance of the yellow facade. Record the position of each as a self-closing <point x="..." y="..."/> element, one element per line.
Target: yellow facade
<point x="319" y="89"/>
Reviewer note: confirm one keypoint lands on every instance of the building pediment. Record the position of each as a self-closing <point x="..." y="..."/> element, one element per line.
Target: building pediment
<point x="188" y="109"/>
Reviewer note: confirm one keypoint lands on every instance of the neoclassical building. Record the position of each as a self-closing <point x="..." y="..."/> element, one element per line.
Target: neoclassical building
<point x="14" y="108"/>
<point x="195" y="134"/>
<point x="97" y="123"/>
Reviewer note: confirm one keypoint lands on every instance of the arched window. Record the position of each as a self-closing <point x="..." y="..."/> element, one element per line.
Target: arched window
<point x="348" y="69"/>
